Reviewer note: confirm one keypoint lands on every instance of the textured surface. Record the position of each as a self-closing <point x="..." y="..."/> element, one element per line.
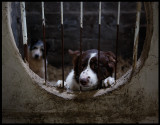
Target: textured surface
<point x="24" y="101"/>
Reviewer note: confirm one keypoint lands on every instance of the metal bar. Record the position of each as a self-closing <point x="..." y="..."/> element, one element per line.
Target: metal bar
<point x="44" y="42"/>
<point x="25" y="52"/>
<point x="99" y="12"/>
<point x="43" y="19"/>
<point x="100" y="84"/>
<point x="118" y="13"/>
<point x="116" y="52"/>
<point x="62" y="37"/>
<point x="24" y="30"/>
<point x="81" y="15"/>
<point x="44" y="52"/>
<point x="81" y="29"/>
<point x="99" y="36"/>
<point x="118" y="18"/>
<point x="136" y="35"/>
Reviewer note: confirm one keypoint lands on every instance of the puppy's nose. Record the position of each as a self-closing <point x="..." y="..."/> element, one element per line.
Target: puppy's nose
<point x="84" y="81"/>
<point x="36" y="56"/>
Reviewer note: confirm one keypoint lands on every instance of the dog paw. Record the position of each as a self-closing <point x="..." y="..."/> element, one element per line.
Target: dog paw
<point x="59" y="83"/>
<point x="109" y="81"/>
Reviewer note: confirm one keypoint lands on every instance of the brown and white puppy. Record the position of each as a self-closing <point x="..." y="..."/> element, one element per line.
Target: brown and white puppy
<point x="87" y="77"/>
<point x="36" y="57"/>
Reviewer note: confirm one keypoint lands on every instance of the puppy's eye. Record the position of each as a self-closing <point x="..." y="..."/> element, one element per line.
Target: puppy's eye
<point x="95" y="66"/>
<point x="35" y="48"/>
<point x="82" y="66"/>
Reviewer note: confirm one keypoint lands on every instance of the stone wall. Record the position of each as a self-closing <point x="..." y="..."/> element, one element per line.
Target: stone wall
<point x="90" y="30"/>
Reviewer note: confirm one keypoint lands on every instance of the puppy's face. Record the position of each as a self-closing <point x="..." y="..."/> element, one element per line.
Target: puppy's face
<point x="86" y="72"/>
<point x="37" y="50"/>
<point x="88" y="77"/>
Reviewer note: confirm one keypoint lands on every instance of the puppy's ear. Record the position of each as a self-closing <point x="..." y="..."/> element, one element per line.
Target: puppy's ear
<point x="111" y="58"/>
<point x="75" y="56"/>
<point x="74" y="53"/>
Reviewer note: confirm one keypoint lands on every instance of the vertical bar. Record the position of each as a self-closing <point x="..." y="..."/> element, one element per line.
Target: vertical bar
<point x="24" y="30"/>
<point x="62" y="36"/>
<point x="44" y="42"/>
<point x="118" y="18"/>
<point x="43" y="19"/>
<point x="25" y="52"/>
<point x="81" y="29"/>
<point x="81" y="15"/>
<point x="99" y="12"/>
<point x="136" y="34"/>
<point x="118" y="13"/>
<point x="99" y="81"/>
<point x="61" y="12"/>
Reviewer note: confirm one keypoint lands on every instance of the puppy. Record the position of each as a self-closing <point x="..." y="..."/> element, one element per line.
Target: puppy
<point x="36" y="58"/>
<point x="86" y="74"/>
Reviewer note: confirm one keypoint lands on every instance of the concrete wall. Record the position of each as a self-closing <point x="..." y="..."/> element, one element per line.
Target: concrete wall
<point x="72" y="27"/>
<point x="24" y="101"/>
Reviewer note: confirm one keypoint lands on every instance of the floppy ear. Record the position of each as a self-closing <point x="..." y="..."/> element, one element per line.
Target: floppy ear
<point x="75" y="55"/>
<point x="111" y="56"/>
<point x="111" y="59"/>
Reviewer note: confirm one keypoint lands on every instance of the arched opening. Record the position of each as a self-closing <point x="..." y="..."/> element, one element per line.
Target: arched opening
<point x="125" y="64"/>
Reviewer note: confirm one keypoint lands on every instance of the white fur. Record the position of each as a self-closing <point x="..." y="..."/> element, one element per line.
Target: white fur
<point x="88" y="72"/>
<point x="71" y="84"/>
<point x="108" y="81"/>
<point x="37" y="52"/>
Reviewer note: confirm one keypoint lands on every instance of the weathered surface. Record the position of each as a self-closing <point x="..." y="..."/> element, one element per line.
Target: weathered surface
<point x="24" y="101"/>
